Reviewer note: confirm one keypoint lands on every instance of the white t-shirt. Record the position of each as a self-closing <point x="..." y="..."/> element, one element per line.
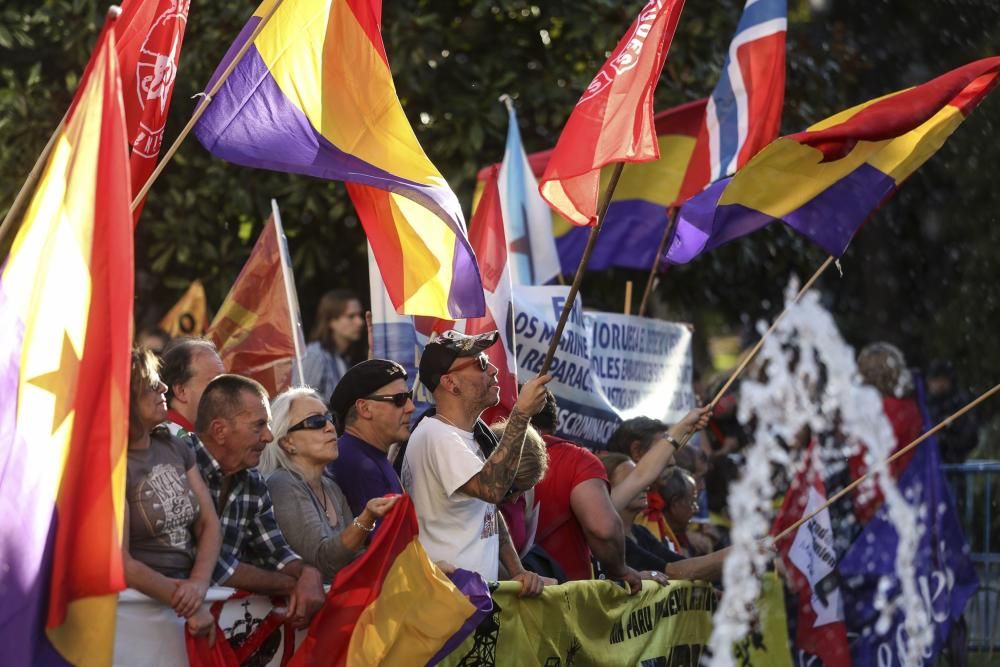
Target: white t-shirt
<point x="454" y="527"/>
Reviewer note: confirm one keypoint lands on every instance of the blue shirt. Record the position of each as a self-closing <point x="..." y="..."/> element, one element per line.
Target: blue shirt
<point x="362" y="472"/>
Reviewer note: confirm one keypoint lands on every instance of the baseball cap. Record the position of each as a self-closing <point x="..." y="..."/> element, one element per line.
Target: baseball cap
<point x="441" y="353"/>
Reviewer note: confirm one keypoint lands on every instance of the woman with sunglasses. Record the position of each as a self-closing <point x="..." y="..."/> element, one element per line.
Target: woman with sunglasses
<point x="311" y="510"/>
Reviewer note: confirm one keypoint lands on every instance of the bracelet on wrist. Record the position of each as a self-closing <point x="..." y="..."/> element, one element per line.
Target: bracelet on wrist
<point x="673" y="441"/>
<point x="363" y="527"/>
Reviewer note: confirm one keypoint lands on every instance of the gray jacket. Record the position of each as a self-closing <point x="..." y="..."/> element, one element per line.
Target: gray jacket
<point x="305" y="527"/>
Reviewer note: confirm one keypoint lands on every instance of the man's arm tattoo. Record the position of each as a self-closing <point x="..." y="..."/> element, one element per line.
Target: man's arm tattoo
<point x="498" y="472"/>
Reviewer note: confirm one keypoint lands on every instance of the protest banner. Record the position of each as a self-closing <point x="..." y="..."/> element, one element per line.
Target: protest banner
<point x="608" y="367"/>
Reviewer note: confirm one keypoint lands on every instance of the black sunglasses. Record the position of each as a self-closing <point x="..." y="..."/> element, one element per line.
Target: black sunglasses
<point x="481" y="359"/>
<point x="313" y="423"/>
<point x="399" y="400"/>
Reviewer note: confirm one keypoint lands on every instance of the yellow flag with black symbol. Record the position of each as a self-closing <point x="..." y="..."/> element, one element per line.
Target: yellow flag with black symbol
<point x="598" y="623"/>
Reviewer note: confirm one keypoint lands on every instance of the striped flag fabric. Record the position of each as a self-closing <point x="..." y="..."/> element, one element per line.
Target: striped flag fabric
<point x="637" y="216"/>
<point x="66" y="294"/>
<point x="489" y="240"/>
<point x="527" y="219"/>
<point x="393" y="606"/>
<point x="826" y="181"/>
<point x="314" y="95"/>
<point x="743" y="114"/>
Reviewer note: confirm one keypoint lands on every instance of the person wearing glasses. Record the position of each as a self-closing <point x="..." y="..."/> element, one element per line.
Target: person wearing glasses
<point x="310" y="508"/>
<point x="372" y="406"/>
<point x="456" y="485"/>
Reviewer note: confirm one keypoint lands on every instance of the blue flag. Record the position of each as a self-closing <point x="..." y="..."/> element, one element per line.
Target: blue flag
<point x="946" y="577"/>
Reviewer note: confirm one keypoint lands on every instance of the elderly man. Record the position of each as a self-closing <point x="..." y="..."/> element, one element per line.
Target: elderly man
<point x="372" y="405"/>
<point x="455" y="485"/>
<point x="189" y="364"/>
<point x="233" y="425"/>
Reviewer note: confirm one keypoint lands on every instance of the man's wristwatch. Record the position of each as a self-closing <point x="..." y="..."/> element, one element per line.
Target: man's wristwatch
<point x="673" y="441"/>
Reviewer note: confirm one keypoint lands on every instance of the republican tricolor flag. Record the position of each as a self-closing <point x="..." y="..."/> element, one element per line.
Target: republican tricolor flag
<point x="825" y="182"/>
<point x="66" y="294"/>
<point x="313" y="94"/>
<point x="613" y="121"/>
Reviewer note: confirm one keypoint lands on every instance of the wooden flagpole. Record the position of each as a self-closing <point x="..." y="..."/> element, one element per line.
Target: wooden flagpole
<point x="28" y="187"/>
<point x="653" y="270"/>
<point x="774" y="325"/>
<point x="628" y="298"/>
<point x="200" y="109"/>
<point x="584" y="260"/>
<point x="853" y="485"/>
<point x="756" y="348"/>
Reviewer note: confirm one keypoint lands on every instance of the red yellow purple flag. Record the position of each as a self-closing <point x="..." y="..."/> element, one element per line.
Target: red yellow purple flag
<point x="65" y="336"/>
<point x="613" y="121"/>
<point x="257" y="328"/>
<point x="393" y="606"/>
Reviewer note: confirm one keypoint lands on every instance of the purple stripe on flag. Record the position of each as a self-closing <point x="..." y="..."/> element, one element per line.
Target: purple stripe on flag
<point x="253" y="123"/>
<point x="629" y="238"/>
<point x="465" y="297"/>
<point x="27" y="526"/>
<point x="475" y="588"/>
<point x="831" y="219"/>
<point x="234" y="48"/>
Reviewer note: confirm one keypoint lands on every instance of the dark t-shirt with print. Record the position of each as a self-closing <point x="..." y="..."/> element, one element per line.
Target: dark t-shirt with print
<point x="162" y="506"/>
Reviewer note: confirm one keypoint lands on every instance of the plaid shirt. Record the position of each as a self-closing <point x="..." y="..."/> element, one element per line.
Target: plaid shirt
<point x="249" y="530"/>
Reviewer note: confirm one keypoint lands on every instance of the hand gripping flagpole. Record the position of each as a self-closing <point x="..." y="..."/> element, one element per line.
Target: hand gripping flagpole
<point x="200" y="109"/>
<point x="853" y="485"/>
<point x="584" y="260"/>
<point x="658" y="258"/>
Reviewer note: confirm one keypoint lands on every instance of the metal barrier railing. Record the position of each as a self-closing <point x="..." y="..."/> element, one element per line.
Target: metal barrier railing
<point x="976" y="488"/>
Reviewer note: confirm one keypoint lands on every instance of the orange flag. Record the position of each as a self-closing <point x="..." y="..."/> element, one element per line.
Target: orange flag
<point x="257" y="328"/>
<point x="189" y="316"/>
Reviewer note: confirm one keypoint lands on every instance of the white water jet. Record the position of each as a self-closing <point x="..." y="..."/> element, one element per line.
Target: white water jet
<point x="811" y="380"/>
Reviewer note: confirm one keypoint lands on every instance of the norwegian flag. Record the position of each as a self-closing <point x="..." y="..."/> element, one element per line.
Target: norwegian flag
<point x="743" y="113"/>
<point x="489" y="241"/>
<point x="811" y="561"/>
<point x="148" y="37"/>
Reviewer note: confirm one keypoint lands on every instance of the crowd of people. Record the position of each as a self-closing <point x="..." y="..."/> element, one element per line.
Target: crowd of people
<point x="274" y="495"/>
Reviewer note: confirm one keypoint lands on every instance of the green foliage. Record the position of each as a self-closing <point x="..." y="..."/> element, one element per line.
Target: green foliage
<point x="922" y="273"/>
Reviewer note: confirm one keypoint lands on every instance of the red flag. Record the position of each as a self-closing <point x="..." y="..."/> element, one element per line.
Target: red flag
<point x="489" y="241"/>
<point x="811" y="562"/>
<point x="149" y="37"/>
<point x="613" y="121"/>
<point x="253" y="328"/>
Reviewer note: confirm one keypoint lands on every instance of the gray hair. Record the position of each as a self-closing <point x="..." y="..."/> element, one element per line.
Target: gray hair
<point x="274" y="457"/>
